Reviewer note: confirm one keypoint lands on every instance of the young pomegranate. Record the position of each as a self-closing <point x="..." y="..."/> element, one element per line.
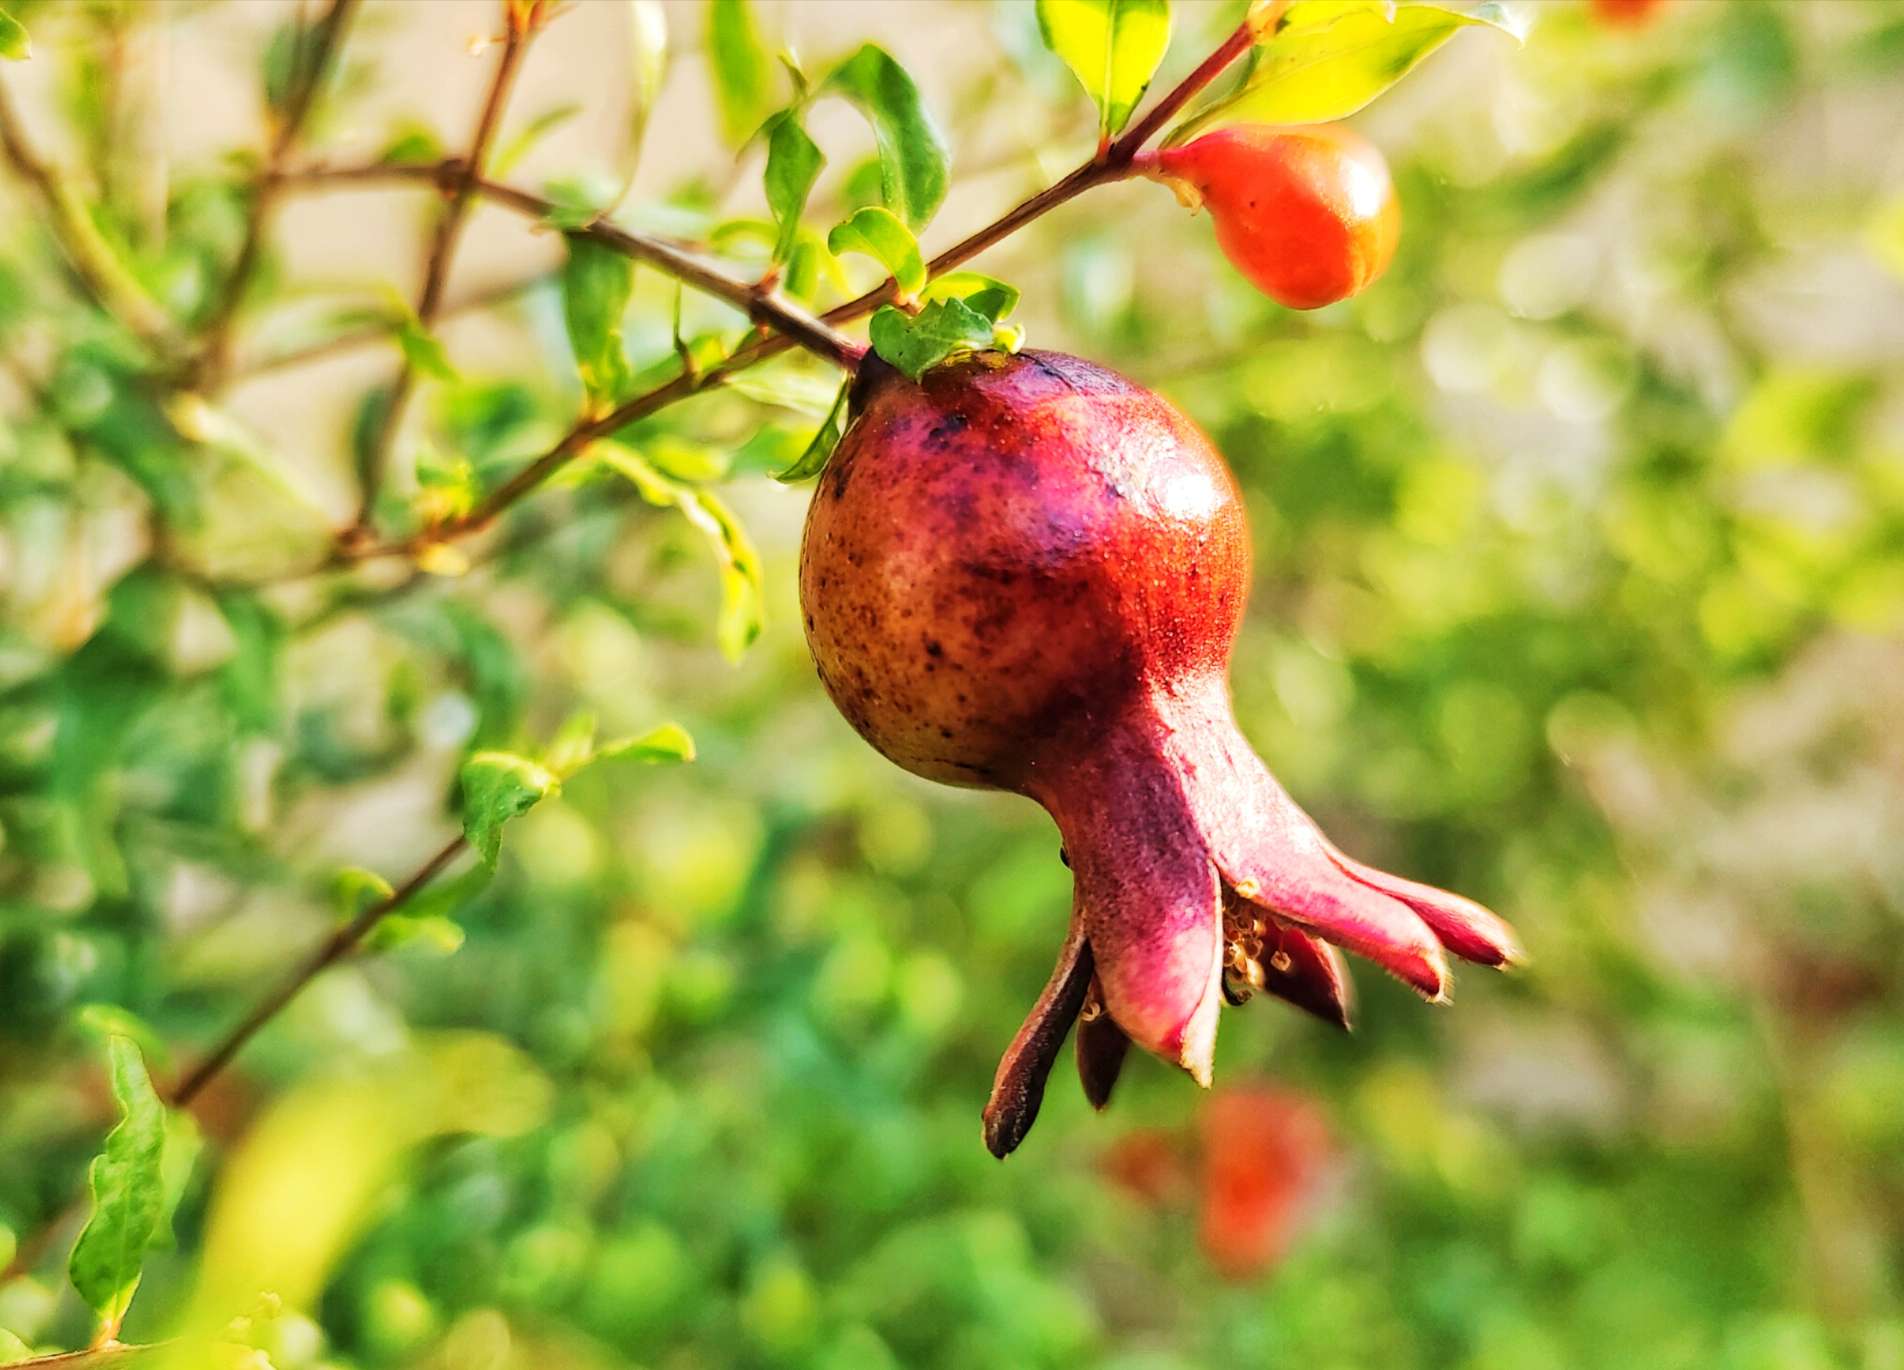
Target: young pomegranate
<point x="1026" y="573"/>
<point x="1308" y="214"/>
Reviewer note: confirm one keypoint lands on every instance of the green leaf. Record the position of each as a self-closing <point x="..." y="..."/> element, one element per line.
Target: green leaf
<point x="1113" y="46"/>
<point x="739" y="621"/>
<point x="106" y="1021"/>
<point x="913" y="160"/>
<point x="648" y="64"/>
<point x="597" y="283"/>
<point x="576" y="202"/>
<point x="820" y="451"/>
<point x="182" y="1146"/>
<point x="411" y="142"/>
<point x="917" y="343"/>
<point x="648" y="32"/>
<point x="524" y="142"/>
<point x="285" y="53"/>
<point x="14" y="45"/>
<point x="499" y="786"/>
<point x="987" y="294"/>
<point x="354" y="889"/>
<point x="432" y="934"/>
<point x="879" y="235"/>
<point x="793" y="165"/>
<point x="788" y="386"/>
<point x="659" y="745"/>
<point x="1329" y="60"/>
<point x="128" y="1193"/>
<point x="572" y="746"/>
<point x="424" y="350"/>
<point x="740" y="66"/>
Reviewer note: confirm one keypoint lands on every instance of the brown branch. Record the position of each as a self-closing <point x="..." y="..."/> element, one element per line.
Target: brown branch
<point x="94" y="263"/>
<point x="1113" y="163"/>
<point x="762" y="306"/>
<point x="482" y="299"/>
<point x="214" y="358"/>
<point x="523" y="20"/>
<point x="325" y="955"/>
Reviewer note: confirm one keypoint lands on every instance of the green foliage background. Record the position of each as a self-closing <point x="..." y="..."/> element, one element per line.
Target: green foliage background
<point x="1580" y="582"/>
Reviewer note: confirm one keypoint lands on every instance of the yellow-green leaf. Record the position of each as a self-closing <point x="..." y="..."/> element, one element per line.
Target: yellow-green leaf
<point x="742" y="71"/>
<point x="1113" y="46"/>
<point x="14" y="44"/>
<point x="1332" y="57"/>
<point x="878" y="233"/>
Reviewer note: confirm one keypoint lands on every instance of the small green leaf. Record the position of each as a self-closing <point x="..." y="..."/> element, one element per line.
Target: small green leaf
<point x="354" y="889"/>
<point x="1319" y="68"/>
<point x="575" y="202"/>
<point x="597" y="282"/>
<point x="793" y="165"/>
<point x="411" y="142"/>
<point x="182" y="1146"/>
<point x="106" y="1021"/>
<point x="524" y="142"/>
<point x="741" y="68"/>
<point x="1113" y="46"/>
<point x="879" y="235"/>
<point x="913" y="160"/>
<point x="917" y="343"/>
<point x="285" y="53"/>
<point x="424" y="350"/>
<point x="572" y="746"/>
<point x="739" y="622"/>
<point x="648" y="34"/>
<point x="667" y="743"/>
<point x="788" y="386"/>
<point x="128" y="1193"/>
<point x="432" y="934"/>
<point x="499" y="786"/>
<point x="987" y="294"/>
<point x="14" y="45"/>
<point x="820" y="451"/>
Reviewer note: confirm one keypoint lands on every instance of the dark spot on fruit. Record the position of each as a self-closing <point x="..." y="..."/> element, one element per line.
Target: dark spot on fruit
<point x="933" y="648"/>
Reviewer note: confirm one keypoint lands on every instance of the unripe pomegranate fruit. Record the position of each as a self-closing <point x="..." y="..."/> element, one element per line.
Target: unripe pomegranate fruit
<point x="1026" y="573"/>
<point x="1308" y="214"/>
<point x="1625" y="13"/>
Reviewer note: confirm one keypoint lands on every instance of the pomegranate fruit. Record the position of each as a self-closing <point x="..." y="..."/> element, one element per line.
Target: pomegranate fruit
<point x="1308" y="214"/>
<point x="1026" y="573"/>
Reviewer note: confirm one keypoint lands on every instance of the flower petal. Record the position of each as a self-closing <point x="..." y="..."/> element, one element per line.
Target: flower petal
<point x="1101" y="1046"/>
<point x="1019" y="1086"/>
<point x="1465" y="928"/>
<point x="1308" y="973"/>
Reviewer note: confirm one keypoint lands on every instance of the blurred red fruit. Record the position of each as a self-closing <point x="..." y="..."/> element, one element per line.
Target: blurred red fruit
<point x="1308" y="214"/>
<point x="1267" y="1154"/>
<point x="1625" y="13"/>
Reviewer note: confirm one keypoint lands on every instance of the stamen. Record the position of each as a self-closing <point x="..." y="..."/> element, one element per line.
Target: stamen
<point x="1281" y="961"/>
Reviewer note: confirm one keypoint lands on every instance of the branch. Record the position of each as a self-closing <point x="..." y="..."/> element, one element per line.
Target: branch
<point x="522" y="22"/>
<point x="381" y="332"/>
<point x="761" y="306"/>
<point x="214" y="357"/>
<point x="104" y="277"/>
<point x="325" y="955"/>
<point x="1112" y="165"/>
<point x="116" y="1353"/>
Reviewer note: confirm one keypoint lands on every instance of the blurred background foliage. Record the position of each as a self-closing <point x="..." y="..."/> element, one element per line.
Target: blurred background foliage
<point x="1580" y="582"/>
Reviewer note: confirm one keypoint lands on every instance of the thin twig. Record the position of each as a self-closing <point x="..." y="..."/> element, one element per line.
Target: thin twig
<point x="98" y="268"/>
<point x="1112" y="163"/>
<point x="482" y="299"/>
<point x="327" y="954"/>
<point x="522" y="23"/>
<point x="117" y="1353"/>
<point x="214" y="358"/>
<point x="761" y="306"/>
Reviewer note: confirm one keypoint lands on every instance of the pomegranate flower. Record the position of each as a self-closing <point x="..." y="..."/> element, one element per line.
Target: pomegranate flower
<point x="1026" y="573"/>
